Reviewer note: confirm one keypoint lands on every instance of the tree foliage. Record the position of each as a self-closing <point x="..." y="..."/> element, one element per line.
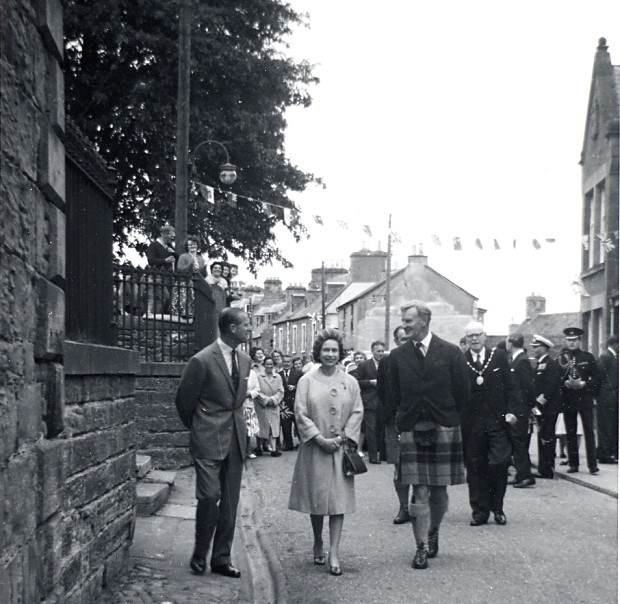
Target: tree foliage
<point x="121" y="90"/>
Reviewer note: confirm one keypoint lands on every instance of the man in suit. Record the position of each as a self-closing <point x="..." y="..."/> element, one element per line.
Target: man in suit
<point x="428" y="388"/>
<point x="160" y="255"/>
<point x="388" y="413"/>
<point x="607" y="404"/>
<point x="290" y="376"/>
<point x="519" y="433"/>
<point x="493" y="406"/>
<point x="366" y="374"/>
<point x="209" y="401"/>
<point x="548" y="403"/>
<point x="581" y="382"/>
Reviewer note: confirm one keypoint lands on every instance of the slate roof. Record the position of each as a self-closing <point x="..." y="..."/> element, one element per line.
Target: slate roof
<point x="350" y="292"/>
<point x="550" y="325"/>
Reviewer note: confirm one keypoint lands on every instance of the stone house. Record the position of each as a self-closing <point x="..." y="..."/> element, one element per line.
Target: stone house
<point x="361" y="319"/>
<point x="599" y="170"/>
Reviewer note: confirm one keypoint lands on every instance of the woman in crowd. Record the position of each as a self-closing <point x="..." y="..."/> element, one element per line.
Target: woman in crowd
<point x="267" y="403"/>
<point x="297" y="363"/>
<point x="358" y="357"/>
<point x="190" y="263"/>
<point x="218" y="285"/>
<point x="276" y="355"/>
<point x="328" y="408"/>
<point x="257" y="355"/>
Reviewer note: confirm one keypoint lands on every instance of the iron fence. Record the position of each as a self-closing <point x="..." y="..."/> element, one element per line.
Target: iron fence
<point x="166" y="316"/>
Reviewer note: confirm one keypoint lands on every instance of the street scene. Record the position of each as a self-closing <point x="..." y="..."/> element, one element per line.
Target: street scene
<point x="309" y="302"/>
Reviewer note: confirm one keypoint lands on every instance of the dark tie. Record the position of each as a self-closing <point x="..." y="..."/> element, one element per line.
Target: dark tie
<point x="234" y="371"/>
<point x="478" y="363"/>
<point x="419" y="353"/>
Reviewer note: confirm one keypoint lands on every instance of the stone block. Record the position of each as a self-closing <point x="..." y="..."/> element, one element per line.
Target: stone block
<point x="150" y="497"/>
<point x="89" y="590"/>
<point x="30" y="405"/>
<point x="48" y="542"/>
<point x="72" y="570"/>
<point x="104" y="511"/>
<point x="51" y="167"/>
<point x="8" y="425"/>
<point x="53" y="378"/>
<point x="90" y="417"/>
<point x="20" y="487"/>
<point x="94" y="482"/>
<point x="169" y="459"/>
<point x="163" y="476"/>
<point x="50" y="330"/>
<point x="114" y="535"/>
<point x="74" y="389"/>
<point x="49" y="477"/>
<point x="50" y="24"/>
<point x="56" y="96"/>
<point x="143" y="465"/>
<point x="54" y="243"/>
<point x="115" y="565"/>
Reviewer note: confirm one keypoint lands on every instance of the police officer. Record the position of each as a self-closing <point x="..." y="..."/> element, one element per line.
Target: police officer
<point x="580" y="383"/>
<point x="548" y="401"/>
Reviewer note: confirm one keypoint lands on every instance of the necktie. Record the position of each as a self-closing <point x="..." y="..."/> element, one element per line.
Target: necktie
<point x="418" y="351"/>
<point x="478" y="363"/>
<point x="234" y="371"/>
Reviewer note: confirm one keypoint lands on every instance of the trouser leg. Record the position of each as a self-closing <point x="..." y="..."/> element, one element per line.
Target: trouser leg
<point x="546" y="444"/>
<point x="287" y="432"/>
<point x="498" y="459"/>
<point x="587" y="419"/>
<point x="572" y="444"/>
<point x="604" y="429"/>
<point x="519" y="439"/>
<point x="370" y="420"/>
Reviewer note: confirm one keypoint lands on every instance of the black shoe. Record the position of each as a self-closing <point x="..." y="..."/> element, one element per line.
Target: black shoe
<point x="594" y="470"/>
<point x="479" y="519"/>
<point x="545" y="475"/>
<point x="572" y="469"/>
<point x="258" y="452"/>
<point x="433" y="543"/>
<point x="375" y="460"/>
<point x="227" y="570"/>
<point x="500" y="518"/>
<point x="563" y="455"/>
<point x="402" y="517"/>
<point x="512" y="481"/>
<point x="564" y="463"/>
<point x="335" y="570"/>
<point x="607" y="460"/>
<point x="198" y="565"/>
<point x="276" y="453"/>
<point x="420" y="560"/>
<point x="526" y="482"/>
<point x="288" y="448"/>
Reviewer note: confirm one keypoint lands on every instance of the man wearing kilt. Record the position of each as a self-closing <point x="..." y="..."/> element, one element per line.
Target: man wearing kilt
<point x="429" y="387"/>
<point x="493" y="407"/>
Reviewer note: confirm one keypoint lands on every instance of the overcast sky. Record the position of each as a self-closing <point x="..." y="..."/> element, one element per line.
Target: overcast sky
<point x="460" y="119"/>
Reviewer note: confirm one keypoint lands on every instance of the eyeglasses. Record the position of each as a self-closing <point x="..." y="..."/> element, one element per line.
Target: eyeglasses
<point x="474" y="335"/>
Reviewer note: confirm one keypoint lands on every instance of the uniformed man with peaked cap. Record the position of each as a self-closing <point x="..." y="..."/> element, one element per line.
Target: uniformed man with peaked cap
<point x="580" y="383"/>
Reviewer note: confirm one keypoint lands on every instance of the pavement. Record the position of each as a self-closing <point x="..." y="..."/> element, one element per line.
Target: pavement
<point x="272" y="544"/>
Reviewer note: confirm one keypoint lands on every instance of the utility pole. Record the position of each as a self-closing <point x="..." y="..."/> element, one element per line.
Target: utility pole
<point x="182" y="146"/>
<point x="388" y="274"/>
<point x="322" y="295"/>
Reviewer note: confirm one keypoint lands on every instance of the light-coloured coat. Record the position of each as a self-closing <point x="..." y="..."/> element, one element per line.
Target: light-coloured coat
<point x="325" y="405"/>
<point x="267" y="404"/>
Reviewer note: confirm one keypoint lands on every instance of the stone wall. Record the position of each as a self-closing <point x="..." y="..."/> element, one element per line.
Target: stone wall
<point x="160" y="433"/>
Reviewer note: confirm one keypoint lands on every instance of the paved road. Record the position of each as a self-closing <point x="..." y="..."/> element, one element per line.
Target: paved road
<point x="560" y="545"/>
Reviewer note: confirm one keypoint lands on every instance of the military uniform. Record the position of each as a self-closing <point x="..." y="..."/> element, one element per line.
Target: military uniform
<point x="580" y="368"/>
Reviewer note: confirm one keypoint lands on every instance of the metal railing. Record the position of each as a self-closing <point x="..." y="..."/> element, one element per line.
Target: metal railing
<point x="166" y="316"/>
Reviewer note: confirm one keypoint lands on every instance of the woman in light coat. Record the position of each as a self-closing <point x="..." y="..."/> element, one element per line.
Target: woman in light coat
<point x="328" y="407"/>
<point x="267" y="404"/>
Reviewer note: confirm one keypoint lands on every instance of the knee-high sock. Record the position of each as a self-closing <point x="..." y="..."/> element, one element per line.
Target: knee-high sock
<point x="402" y="491"/>
<point x="438" y="503"/>
<point x="420" y="514"/>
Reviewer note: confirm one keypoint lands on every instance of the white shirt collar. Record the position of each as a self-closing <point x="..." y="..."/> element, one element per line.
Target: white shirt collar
<point x="613" y="352"/>
<point x="427" y="340"/>
<point x="225" y="348"/>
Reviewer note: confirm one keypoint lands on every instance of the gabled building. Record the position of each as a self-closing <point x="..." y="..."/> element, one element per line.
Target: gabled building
<point x="599" y="175"/>
<point x="361" y="319"/>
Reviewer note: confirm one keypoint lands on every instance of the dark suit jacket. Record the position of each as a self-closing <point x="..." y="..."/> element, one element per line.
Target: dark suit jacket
<point x="608" y="366"/>
<point x="384" y="398"/>
<point x="498" y="394"/>
<point x="208" y="404"/>
<point x="289" y="395"/>
<point x="586" y="368"/>
<point x="523" y="375"/>
<point x="547" y="382"/>
<point x="439" y="386"/>
<point x="156" y="255"/>
<point x="365" y="372"/>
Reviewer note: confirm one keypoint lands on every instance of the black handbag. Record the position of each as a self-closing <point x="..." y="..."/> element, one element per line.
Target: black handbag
<point x="352" y="463"/>
<point x="425" y="433"/>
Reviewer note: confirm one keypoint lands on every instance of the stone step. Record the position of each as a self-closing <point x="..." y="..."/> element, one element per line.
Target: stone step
<point x="151" y="496"/>
<point x="143" y="465"/>
<point x="163" y="476"/>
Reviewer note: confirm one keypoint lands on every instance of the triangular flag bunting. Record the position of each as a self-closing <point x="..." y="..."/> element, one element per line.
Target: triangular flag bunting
<point x="318" y="219"/>
<point x="287" y="216"/>
<point x="536" y="244"/>
<point x="579" y="287"/>
<point x="367" y="230"/>
<point x="479" y="244"/>
<point x="457" y="244"/>
<point x="606" y="243"/>
<point x="343" y="225"/>
<point x="550" y="239"/>
<point x="208" y="194"/>
<point x="396" y="238"/>
<point x="436" y="240"/>
<point x="231" y="199"/>
<point x="496" y="244"/>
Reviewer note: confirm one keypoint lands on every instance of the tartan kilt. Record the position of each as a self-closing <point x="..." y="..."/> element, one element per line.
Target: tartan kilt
<point x="438" y="465"/>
